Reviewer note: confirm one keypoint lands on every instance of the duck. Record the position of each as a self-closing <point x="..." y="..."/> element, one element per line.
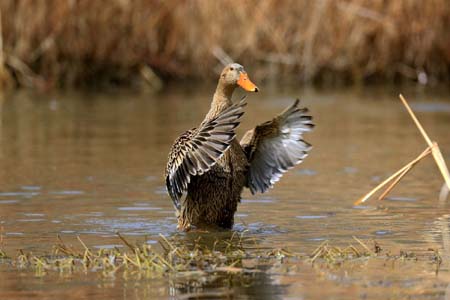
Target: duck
<point x="208" y="168"/>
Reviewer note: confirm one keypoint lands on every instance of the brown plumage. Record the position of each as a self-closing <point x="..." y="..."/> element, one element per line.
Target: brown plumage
<point x="212" y="168"/>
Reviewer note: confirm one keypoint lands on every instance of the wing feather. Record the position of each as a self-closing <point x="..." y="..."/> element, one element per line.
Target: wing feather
<point x="276" y="146"/>
<point x="198" y="149"/>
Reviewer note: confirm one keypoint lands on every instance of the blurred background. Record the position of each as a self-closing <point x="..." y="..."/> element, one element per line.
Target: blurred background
<point x="54" y="43"/>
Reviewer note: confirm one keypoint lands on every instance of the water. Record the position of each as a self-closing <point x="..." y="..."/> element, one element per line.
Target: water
<point x="91" y="164"/>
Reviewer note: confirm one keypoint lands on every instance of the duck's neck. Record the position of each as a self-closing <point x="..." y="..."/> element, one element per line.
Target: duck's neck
<point x="221" y="99"/>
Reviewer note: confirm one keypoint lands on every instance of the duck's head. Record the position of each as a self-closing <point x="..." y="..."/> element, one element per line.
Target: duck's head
<point x="235" y="75"/>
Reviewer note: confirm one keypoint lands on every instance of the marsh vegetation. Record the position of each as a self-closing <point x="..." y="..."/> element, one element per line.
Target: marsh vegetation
<point x="53" y="43"/>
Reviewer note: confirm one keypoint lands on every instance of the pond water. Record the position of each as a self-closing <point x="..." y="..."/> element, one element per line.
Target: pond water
<point x="91" y="164"/>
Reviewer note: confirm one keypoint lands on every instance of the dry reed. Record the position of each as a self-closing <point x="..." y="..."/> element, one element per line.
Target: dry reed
<point x="433" y="148"/>
<point x="53" y="42"/>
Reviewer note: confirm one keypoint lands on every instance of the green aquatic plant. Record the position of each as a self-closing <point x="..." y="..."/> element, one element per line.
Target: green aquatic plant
<point x="335" y="255"/>
<point x="198" y="259"/>
<point x="181" y="259"/>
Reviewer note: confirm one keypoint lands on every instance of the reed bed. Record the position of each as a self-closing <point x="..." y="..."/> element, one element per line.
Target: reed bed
<point x="51" y="43"/>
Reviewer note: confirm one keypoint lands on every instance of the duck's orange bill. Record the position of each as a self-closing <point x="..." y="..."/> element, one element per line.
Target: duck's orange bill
<point x="245" y="83"/>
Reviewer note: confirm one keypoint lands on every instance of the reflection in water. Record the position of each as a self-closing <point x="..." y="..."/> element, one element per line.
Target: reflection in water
<point x="440" y="233"/>
<point x="248" y="285"/>
<point x="91" y="165"/>
<point x="245" y="286"/>
<point x="443" y="195"/>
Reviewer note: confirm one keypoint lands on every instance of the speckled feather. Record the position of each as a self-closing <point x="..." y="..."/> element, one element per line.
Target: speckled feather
<point x="198" y="149"/>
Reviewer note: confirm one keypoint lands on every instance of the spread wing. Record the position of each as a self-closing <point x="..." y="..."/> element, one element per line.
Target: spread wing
<point x="198" y="149"/>
<point x="276" y="146"/>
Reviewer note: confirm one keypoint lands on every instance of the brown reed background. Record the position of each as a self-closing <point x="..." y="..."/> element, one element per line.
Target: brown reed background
<point x="76" y="42"/>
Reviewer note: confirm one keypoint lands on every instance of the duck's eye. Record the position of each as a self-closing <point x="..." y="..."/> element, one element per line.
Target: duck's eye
<point x="231" y="69"/>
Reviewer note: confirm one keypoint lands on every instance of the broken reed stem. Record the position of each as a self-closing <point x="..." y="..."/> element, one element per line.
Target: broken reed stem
<point x="419" y="126"/>
<point x="394" y="183"/>
<point x="437" y="155"/>
<point x="399" y="177"/>
<point x="393" y="176"/>
<point x="433" y="147"/>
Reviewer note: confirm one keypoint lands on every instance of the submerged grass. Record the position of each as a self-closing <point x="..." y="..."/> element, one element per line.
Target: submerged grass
<point x="53" y="42"/>
<point x="328" y="256"/>
<point x="197" y="260"/>
<point x="334" y="255"/>
<point x="182" y="260"/>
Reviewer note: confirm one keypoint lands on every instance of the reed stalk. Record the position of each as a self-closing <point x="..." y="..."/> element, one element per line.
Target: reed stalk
<point x="76" y="42"/>
<point x="395" y="178"/>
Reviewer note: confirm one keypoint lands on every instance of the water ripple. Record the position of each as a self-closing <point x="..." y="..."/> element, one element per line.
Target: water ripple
<point x="138" y="208"/>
